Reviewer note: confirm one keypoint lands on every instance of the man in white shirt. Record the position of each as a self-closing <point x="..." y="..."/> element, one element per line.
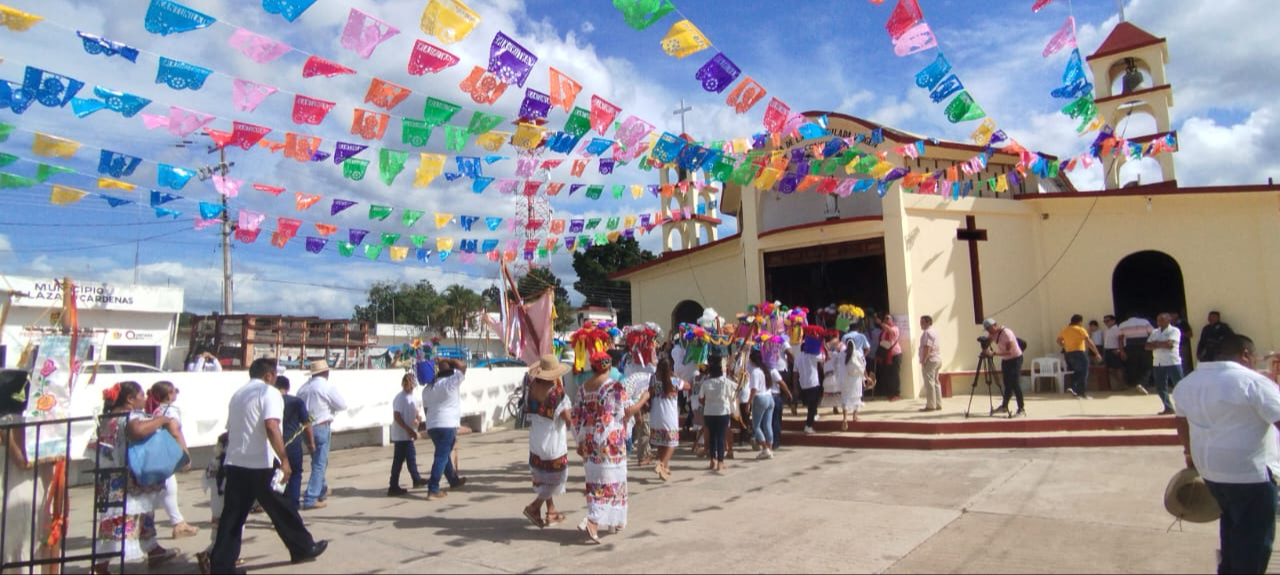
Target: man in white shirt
<point x="1164" y="345"/>
<point x="1137" y="359"/>
<point x="254" y="442"/>
<point x="1228" y="414"/>
<point x="808" y="362"/>
<point x="323" y="402"/>
<point x="931" y="363"/>
<point x="1112" y="352"/>
<point x="442" y="401"/>
<point x="205" y="362"/>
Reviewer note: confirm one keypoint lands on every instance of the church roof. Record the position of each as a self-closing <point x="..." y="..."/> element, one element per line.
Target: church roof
<point x="1123" y="38"/>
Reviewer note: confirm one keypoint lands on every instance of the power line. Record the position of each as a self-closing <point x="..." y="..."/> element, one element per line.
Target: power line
<point x="86" y="225"/>
<point x="99" y="246"/>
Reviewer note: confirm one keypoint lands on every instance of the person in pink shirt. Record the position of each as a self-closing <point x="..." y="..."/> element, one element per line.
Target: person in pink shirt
<point x="1004" y="344"/>
<point x="889" y="359"/>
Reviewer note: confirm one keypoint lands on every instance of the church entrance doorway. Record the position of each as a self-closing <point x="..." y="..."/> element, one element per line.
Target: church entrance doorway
<point x="687" y="311"/>
<point x="818" y="276"/>
<point x="1148" y="283"/>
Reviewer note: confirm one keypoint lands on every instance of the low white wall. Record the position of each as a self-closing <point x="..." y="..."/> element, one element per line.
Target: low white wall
<point x="203" y="399"/>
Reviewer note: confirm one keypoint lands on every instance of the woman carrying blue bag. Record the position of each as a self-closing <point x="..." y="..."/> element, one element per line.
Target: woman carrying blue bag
<point x="149" y="441"/>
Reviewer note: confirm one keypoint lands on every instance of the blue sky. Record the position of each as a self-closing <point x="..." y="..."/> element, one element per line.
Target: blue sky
<point x="814" y="55"/>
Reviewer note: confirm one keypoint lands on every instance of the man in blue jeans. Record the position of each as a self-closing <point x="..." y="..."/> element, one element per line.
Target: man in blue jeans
<point x="443" y="404"/>
<point x="323" y="402"/>
<point x="297" y="427"/>
<point x="1164" y="344"/>
<point x="1227" y="418"/>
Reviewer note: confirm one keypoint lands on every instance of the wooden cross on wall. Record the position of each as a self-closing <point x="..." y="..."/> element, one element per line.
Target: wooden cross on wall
<point x="971" y="234"/>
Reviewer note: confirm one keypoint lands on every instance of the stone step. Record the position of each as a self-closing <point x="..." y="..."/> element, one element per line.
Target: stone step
<point x="857" y="440"/>
<point x="957" y="425"/>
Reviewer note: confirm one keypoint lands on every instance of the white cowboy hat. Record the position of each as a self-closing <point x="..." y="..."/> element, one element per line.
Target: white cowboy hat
<point x="319" y="366"/>
<point x="548" y="368"/>
<point x="1188" y="498"/>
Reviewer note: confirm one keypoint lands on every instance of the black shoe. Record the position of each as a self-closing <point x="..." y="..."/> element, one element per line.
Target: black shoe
<point x="458" y="485"/>
<point x="316" y="551"/>
<point x="418" y="484"/>
<point x="1003" y="409"/>
<point x="396" y="491"/>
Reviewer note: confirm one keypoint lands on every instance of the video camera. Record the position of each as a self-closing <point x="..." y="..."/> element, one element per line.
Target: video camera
<point x="984" y="341"/>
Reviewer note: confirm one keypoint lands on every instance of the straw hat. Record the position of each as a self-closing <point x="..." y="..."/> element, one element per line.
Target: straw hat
<point x="319" y="366"/>
<point x="548" y="368"/>
<point x="1188" y="498"/>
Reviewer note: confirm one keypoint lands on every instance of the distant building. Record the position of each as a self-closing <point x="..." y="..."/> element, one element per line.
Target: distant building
<point x="124" y="322"/>
<point x="595" y="313"/>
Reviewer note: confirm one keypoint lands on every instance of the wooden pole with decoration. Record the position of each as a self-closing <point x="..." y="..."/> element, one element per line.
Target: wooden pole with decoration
<point x="53" y="471"/>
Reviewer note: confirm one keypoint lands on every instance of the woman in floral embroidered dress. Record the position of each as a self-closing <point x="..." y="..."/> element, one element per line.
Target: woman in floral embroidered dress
<point x="664" y="416"/>
<point x="549" y="409"/>
<point x="600" y="430"/>
<point x="132" y="529"/>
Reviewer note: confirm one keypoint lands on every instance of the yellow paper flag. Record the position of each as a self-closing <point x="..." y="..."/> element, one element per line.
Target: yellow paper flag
<point x="613" y="236"/>
<point x="629" y="222"/>
<point x="442" y="220"/>
<point x="108" y="183"/>
<point x="1002" y="184"/>
<point x="982" y="136"/>
<point x="448" y="20"/>
<point x="17" y="20"/>
<point x="493" y="141"/>
<point x="881" y="170"/>
<point x="63" y="195"/>
<point x="637" y="191"/>
<point x="398" y="253"/>
<point x="528" y="136"/>
<point x="768" y="177"/>
<point x="684" y="39"/>
<point x="444" y="244"/>
<point x="431" y="167"/>
<point x="53" y="146"/>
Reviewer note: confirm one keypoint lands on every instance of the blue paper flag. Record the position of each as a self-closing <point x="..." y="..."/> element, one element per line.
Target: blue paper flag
<point x="599" y="146"/>
<point x="165" y="17"/>
<point x="470" y="167"/>
<point x="172" y="177"/>
<point x="946" y="88"/>
<point x="479" y="184"/>
<point x="451" y="176"/>
<point x="117" y="165"/>
<point x="209" y="211"/>
<point x="467" y="221"/>
<point x="493" y="223"/>
<point x="163" y="212"/>
<point x="114" y="201"/>
<point x="488" y="246"/>
<point x="127" y="105"/>
<point x="180" y="75"/>
<point x="424" y="255"/>
<point x="13" y="97"/>
<point x="290" y="9"/>
<point x="810" y="131"/>
<point x="159" y="198"/>
<point x="50" y="89"/>
<point x="98" y="45"/>
<point x="492" y="159"/>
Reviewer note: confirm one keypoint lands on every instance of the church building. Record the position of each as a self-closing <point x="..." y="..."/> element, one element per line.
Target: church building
<point x="1030" y="256"/>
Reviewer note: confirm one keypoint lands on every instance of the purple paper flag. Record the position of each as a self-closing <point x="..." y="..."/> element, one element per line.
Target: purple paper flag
<point x="339" y="205"/>
<point x="718" y="73"/>
<point x="357" y="236"/>
<point x="316" y="245"/>
<point x="510" y="61"/>
<point x="344" y="150"/>
<point x="536" y="105"/>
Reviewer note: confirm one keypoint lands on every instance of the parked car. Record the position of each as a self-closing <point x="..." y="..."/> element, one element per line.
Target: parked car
<point x="501" y="362"/>
<point x="117" y="367"/>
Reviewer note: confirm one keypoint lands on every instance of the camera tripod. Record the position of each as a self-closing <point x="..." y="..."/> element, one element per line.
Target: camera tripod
<point x="986" y="371"/>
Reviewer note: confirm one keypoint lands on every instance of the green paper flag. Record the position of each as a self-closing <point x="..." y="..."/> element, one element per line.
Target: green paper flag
<point x="410" y="217"/>
<point x="438" y="112"/>
<point x="5" y="130"/>
<point x="964" y="109"/>
<point x="641" y="14"/>
<point x="594" y="192"/>
<point x="44" y="171"/>
<point x="390" y="164"/>
<point x="354" y="169"/>
<point x="379" y="213"/>
<point x="456" y="138"/>
<point x="1053" y="169"/>
<point x="346" y="249"/>
<point x="601" y="239"/>
<point x="579" y="122"/>
<point x="6" y="159"/>
<point x="8" y="181"/>
<point x="418" y="241"/>
<point x="618" y="190"/>
<point x="593" y="223"/>
<point x="482" y="122"/>
<point x="415" y="133"/>
<point x="865" y="164"/>
<point x="745" y="173"/>
<point x="612" y="224"/>
<point x="372" y="251"/>
<point x="645" y="166"/>
<point x="389" y="239"/>
<point x="542" y="253"/>
<point x="723" y="170"/>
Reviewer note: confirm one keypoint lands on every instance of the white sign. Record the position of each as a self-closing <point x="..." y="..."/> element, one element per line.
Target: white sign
<point x="93" y="295"/>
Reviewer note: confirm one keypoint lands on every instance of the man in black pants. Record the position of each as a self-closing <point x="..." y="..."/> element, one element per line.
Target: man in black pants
<point x="808" y="365"/>
<point x="1004" y="345"/>
<point x="253" y="435"/>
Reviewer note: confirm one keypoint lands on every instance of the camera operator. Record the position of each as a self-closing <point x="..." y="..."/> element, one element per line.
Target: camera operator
<point x="1009" y="350"/>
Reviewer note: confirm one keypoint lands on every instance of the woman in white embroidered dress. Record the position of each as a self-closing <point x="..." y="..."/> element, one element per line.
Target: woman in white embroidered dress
<point x="549" y="409"/>
<point x="600" y="430"/>
<point x="664" y="416"/>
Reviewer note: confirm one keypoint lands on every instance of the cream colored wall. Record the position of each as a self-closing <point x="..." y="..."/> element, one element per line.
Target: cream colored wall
<point x="939" y="284"/>
<point x="1226" y="245"/>
<point x="713" y="277"/>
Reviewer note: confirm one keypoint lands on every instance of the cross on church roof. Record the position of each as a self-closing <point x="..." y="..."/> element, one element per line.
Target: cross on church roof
<point x="681" y="112"/>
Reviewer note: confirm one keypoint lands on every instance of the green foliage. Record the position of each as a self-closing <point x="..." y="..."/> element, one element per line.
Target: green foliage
<point x="537" y="281"/>
<point x="594" y="266"/>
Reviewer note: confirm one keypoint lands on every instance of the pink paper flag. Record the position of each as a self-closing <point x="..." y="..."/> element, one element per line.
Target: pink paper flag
<point x="917" y="39"/>
<point x="202" y="223"/>
<point x="229" y="187"/>
<point x="1066" y="37"/>
<point x="180" y="122"/>
<point x="249" y="220"/>
<point x="428" y="58"/>
<point x="258" y="48"/>
<point x="247" y="95"/>
<point x="317" y="66"/>
<point x="1039" y="5"/>
<point x="602" y="114"/>
<point x="363" y="33"/>
<point x="308" y="110"/>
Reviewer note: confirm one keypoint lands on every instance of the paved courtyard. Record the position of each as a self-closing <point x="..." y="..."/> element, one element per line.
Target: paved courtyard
<point x="809" y="510"/>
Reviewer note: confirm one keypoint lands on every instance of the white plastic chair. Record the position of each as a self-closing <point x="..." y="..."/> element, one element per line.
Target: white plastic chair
<point x="1051" y="368"/>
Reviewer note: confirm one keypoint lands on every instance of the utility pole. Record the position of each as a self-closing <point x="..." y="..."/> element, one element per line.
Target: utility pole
<point x="222" y="168"/>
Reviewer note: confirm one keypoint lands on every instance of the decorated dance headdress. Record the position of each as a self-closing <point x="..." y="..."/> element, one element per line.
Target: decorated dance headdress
<point x="589" y="340"/>
<point x="639" y="340"/>
<point x="849" y="316"/>
<point x="814" y="336"/>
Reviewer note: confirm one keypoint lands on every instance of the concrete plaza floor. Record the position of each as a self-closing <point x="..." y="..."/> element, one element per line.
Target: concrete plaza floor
<point x="809" y="510"/>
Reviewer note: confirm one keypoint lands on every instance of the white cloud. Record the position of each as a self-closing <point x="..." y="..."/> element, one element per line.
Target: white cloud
<point x="587" y="27"/>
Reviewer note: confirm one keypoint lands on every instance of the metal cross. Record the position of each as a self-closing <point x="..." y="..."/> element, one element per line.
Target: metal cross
<point x="681" y="112"/>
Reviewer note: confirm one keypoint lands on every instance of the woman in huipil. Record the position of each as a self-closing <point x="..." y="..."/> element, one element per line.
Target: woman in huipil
<point x="600" y="430"/>
<point x="664" y="416"/>
<point x="549" y="411"/>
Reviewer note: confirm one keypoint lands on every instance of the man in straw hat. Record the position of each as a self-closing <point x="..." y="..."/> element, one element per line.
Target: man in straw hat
<point x="323" y="403"/>
<point x="1227" y="417"/>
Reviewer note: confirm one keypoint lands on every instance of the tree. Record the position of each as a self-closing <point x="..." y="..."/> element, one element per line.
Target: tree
<point x="458" y="306"/>
<point x="594" y="266"/>
<point x="402" y="303"/>
<point x="534" y="283"/>
<point x="492" y="297"/>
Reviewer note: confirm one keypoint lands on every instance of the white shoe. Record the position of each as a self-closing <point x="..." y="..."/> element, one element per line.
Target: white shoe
<point x="817" y="417"/>
<point x="768" y="454"/>
<point x="763" y="455"/>
<point x="809" y="431"/>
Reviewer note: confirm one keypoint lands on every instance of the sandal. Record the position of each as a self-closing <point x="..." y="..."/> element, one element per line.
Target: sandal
<point x="532" y="516"/>
<point x="844" y="425"/>
<point x="554" y="519"/>
<point x="161" y="556"/>
<point x="184" y="529"/>
<point x="205" y="563"/>
<point x="587" y="527"/>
